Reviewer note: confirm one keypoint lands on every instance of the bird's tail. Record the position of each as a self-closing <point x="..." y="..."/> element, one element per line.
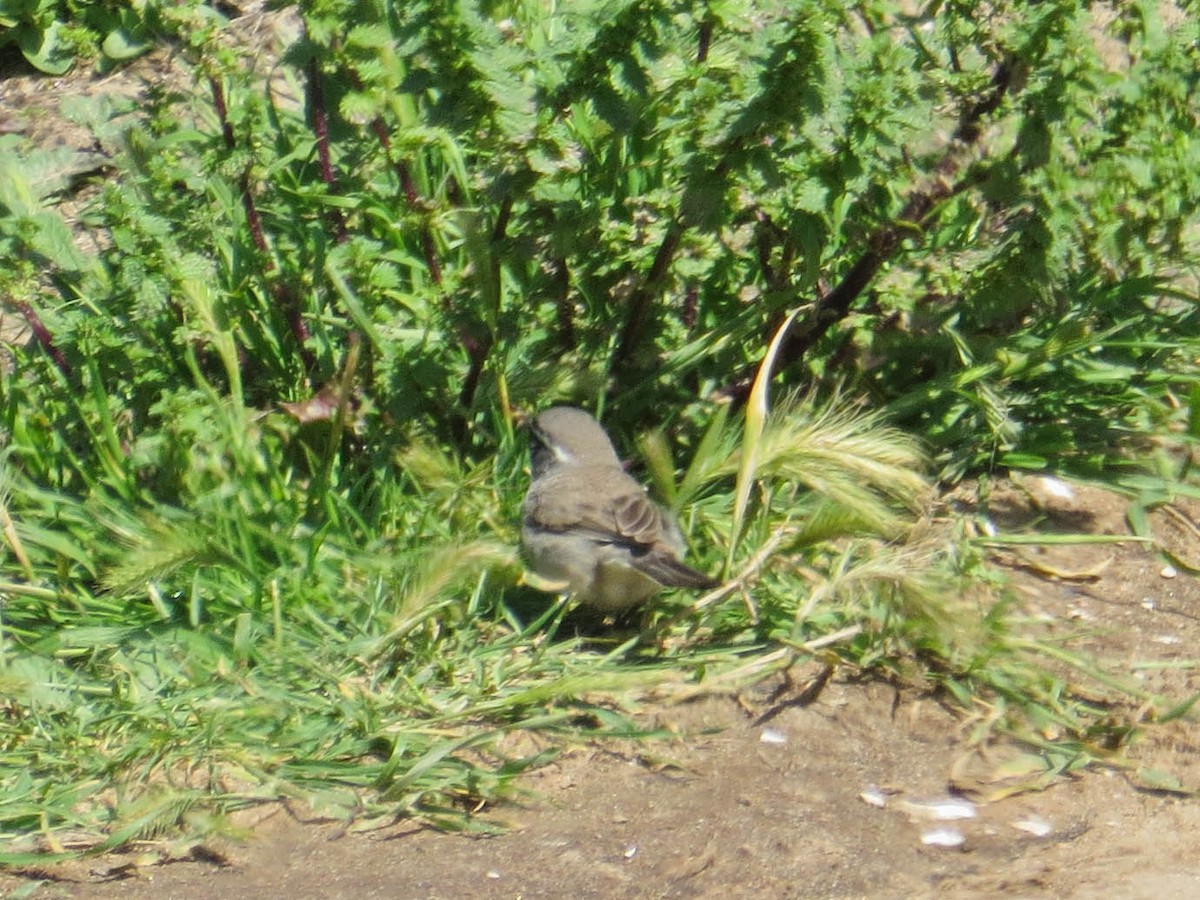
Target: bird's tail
<point x="670" y="572"/>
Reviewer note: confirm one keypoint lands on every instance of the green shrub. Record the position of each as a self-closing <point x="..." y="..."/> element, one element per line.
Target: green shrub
<point x="260" y="462"/>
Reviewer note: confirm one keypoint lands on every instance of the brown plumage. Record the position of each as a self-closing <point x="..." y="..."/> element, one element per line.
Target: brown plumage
<point x="588" y="528"/>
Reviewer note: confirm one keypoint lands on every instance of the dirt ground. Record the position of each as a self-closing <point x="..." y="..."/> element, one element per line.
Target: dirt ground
<point x="833" y="799"/>
<point x="830" y="799"/>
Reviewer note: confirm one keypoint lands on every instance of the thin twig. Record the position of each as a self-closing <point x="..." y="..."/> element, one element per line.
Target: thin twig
<point x="761" y="666"/>
<point x="9" y="528"/>
<point x="914" y="219"/>
<point x="749" y="571"/>
<point x="834" y="637"/>
<point x="743" y="578"/>
<point x="638" y="312"/>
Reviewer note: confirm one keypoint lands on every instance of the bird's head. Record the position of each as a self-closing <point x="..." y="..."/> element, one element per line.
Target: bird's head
<point x="566" y="436"/>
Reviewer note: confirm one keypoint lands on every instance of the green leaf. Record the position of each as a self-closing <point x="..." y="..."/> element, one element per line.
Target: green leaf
<point x="122" y="44"/>
<point x="44" y="49"/>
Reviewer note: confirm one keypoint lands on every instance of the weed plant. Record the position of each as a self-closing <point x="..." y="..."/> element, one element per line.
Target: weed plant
<point x="260" y="458"/>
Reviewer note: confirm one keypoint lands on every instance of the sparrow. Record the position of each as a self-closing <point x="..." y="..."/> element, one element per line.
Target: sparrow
<point x="587" y="528"/>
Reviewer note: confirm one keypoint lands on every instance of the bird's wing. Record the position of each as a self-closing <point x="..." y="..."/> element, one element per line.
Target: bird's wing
<point x="638" y="519"/>
<point x="614" y="510"/>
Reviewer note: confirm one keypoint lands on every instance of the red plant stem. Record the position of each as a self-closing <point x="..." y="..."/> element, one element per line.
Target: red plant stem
<point x="639" y="304"/>
<point x="283" y="295"/>
<point x="320" y="121"/>
<point x="218" y="93"/>
<point x="763" y="244"/>
<point x="428" y="248"/>
<point x="430" y="253"/>
<point x="477" y="351"/>
<point x="42" y="333"/>
<point x="502" y="218"/>
<point x="406" y="181"/>
<point x="690" y="307"/>
<point x="320" y="126"/>
<point x="254" y="221"/>
<point x="704" y="40"/>
<point x="561" y="279"/>
<point x="279" y="292"/>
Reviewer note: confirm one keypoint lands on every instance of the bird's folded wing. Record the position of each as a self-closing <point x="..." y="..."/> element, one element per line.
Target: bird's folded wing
<point x="613" y="508"/>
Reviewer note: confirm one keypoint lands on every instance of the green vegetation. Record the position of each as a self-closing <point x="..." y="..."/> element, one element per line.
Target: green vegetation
<point x="53" y="35"/>
<point x="261" y="468"/>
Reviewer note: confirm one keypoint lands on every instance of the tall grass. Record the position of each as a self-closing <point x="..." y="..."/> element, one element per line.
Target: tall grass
<point x="261" y="468"/>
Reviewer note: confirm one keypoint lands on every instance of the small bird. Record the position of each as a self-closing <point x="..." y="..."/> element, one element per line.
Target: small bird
<point x="589" y="529"/>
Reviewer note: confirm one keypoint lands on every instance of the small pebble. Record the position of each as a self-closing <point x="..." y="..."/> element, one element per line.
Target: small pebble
<point x="1080" y="613"/>
<point x="873" y="796"/>
<point x="1035" y="825"/>
<point x="1056" y="488"/>
<point x="943" y="837"/>
<point x="943" y="809"/>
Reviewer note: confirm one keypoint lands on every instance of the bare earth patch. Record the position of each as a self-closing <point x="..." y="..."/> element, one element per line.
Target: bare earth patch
<point x="737" y="806"/>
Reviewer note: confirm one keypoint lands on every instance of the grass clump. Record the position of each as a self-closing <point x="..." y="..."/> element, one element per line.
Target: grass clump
<point x="260" y="467"/>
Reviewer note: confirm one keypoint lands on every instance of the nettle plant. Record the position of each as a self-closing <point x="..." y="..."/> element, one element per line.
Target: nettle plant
<point x="419" y="218"/>
<point x="980" y="212"/>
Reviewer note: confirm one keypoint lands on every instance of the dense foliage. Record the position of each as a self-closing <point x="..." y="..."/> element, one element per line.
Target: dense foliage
<point x="54" y="34"/>
<point x="260" y="463"/>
